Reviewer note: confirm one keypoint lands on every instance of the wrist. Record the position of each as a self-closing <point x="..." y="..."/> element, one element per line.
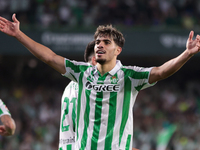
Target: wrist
<point x="18" y="34"/>
<point x="188" y="53"/>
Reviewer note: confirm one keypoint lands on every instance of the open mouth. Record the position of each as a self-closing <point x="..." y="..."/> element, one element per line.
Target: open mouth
<point x="100" y="52"/>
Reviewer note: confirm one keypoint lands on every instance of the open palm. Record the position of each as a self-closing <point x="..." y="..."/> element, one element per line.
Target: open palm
<point x="8" y="27"/>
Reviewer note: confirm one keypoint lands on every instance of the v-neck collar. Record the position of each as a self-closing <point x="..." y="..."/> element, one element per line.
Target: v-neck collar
<point x="111" y="72"/>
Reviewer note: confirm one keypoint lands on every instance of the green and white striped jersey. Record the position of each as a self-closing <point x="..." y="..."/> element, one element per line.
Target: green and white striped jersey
<point x="104" y="105"/>
<point x="3" y="109"/>
<point x="68" y="116"/>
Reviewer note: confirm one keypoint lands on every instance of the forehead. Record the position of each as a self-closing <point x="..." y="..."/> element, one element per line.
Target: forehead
<point x="104" y="37"/>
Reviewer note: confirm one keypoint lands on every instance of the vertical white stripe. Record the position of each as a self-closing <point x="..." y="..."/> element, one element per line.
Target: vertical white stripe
<point x="81" y="119"/>
<point x="91" y="119"/>
<point x="91" y="116"/>
<point x="128" y="130"/>
<point x="120" y="97"/>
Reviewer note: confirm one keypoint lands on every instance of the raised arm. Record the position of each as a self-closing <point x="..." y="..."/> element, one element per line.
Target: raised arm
<point x="40" y="51"/>
<point x="8" y="127"/>
<point x="173" y="65"/>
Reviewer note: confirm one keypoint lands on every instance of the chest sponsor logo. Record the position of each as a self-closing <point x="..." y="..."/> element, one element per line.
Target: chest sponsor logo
<point x="102" y="87"/>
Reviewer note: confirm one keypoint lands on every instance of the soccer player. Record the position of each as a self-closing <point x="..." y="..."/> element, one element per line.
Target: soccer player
<point x="68" y="114"/>
<point x="8" y="124"/>
<point x="68" y="110"/>
<point x="107" y="91"/>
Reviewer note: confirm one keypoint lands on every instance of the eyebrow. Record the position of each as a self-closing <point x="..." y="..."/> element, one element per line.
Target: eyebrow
<point x="105" y="40"/>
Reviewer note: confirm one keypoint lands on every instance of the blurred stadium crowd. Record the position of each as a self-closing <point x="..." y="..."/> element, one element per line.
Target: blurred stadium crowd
<point x="45" y="13"/>
<point x="32" y="91"/>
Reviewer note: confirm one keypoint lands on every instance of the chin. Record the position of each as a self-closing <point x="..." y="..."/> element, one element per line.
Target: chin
<point x="101" y="61"/>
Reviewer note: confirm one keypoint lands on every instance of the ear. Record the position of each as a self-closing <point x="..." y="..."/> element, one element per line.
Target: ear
<point x="119" y="50"/>
<point x="94" y="61"/>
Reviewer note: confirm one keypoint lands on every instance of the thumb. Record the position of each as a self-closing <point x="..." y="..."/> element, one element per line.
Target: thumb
<point x="14" y="18"/>
<point x="191" y="35"/>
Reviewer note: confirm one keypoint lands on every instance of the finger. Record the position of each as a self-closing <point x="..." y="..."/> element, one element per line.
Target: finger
<point x="14" y="18"/>
<point x="3" y="19"/>
<point x="195" y="41"/>
<point x="2" y="23"/>
<point x="198" y="37"/>
<point x="191" y="35"/>
<point x="1" y="27"/>
<point x="198" y="44"/>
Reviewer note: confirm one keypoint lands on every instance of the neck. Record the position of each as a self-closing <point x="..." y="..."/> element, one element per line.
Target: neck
<point x="104" y="68"/>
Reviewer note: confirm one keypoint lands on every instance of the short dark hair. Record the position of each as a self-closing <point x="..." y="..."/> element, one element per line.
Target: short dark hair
<point x="109" y="30"/>
<point x="89" y="51"/>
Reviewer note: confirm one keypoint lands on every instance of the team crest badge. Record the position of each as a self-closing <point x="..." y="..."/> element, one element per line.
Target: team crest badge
<point x="114" y="79"/>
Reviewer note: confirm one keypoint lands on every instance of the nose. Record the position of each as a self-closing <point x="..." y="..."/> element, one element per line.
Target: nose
<point x="100" y="45"/>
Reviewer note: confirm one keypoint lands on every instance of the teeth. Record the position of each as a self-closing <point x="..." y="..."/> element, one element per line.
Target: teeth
<point x="100" y="52"/>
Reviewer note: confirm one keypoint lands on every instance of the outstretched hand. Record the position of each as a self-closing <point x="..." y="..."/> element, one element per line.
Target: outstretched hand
<point x="8" y="27"/>
<point x="3" y="131"/>
<point x="193" y="46"/>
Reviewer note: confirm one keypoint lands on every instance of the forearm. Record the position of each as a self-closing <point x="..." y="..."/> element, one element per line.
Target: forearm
<point x="172" y="66"/>
<point x="169" y="68"/>
<point x="42" y="52"/>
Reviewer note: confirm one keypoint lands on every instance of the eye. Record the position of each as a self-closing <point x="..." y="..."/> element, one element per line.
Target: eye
<point x="97" y="42"/>
<point x="107" y="42"/>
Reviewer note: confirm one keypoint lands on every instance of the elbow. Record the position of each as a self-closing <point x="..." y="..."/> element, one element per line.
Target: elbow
<point x="161" y="76"/>
<point x="49" y="58"/>
<point x="156" y="75"/>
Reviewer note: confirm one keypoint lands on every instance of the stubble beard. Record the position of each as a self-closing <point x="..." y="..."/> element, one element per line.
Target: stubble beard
<point x="101" y="61"/>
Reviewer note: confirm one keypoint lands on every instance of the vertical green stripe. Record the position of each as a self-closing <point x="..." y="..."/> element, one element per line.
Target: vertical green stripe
<point x="74" y="112"/>
<point x="125" y="109"/>
<point x="128" y="142"/>
<point x="79" y="101"/>
<point x="97" y="122"/>
<point x="98" y="109"/>
<point x="69" y="147"/>
<point x="111" y="120"/>
<point x="86" y="120"/>
<point x="1" y="112"/>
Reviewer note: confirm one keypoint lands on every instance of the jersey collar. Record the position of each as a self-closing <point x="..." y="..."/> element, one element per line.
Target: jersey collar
<point x="113" y="71"/>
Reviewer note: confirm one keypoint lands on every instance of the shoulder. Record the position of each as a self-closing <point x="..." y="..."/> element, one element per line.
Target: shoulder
<point x="1" y="103"/>
<point x="136" y="72"/>
<point x="71" y="63"/>
<point x="136" y="68"/>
